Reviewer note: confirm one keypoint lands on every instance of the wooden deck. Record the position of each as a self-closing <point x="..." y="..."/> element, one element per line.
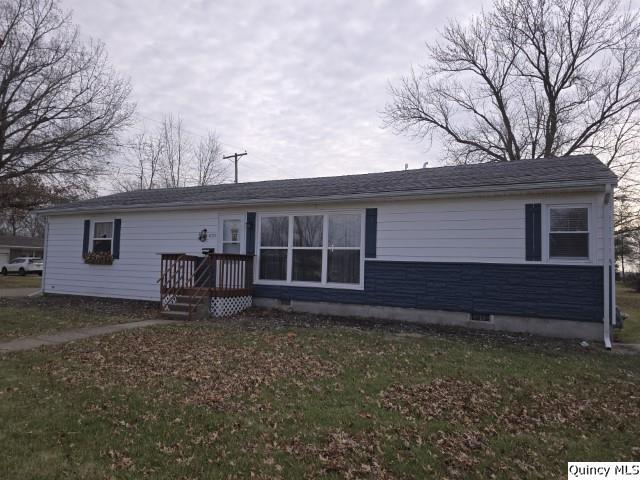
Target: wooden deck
<point x="212" y="292"/>
<point x="187" y="281"/>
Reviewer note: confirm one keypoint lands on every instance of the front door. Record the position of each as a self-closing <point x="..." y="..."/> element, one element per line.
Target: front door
<point x="231" y="234"/>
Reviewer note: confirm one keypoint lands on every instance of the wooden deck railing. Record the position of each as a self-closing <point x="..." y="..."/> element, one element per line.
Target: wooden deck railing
<point x="196" y="278"/>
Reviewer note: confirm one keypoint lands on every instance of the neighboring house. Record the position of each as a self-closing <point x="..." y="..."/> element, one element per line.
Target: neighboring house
<point x="12" y="246"/>
<point x="523" y="246"/>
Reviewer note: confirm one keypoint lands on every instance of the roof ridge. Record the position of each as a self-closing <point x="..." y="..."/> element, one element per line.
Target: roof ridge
<point x="577" y="168"/>
<point x="347" y="175"/>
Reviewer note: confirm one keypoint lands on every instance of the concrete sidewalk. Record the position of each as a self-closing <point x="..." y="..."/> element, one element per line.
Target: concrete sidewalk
<point x="29" y="343"/>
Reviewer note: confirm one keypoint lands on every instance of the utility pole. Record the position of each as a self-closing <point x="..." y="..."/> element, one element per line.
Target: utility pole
<point x="235" y="157"/>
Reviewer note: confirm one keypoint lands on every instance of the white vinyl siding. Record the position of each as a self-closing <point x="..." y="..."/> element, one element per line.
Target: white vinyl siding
<point x="473" y="229"/>
<point x="142" y="237"/>
<point x="490" y="229"/>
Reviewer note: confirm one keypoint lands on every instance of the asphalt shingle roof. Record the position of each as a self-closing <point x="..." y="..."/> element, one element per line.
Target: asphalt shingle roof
<point x="580" y="168"/>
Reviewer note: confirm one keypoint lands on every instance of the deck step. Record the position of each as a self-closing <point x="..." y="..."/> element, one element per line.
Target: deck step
<point x="179" y="306"/>
<point x="183" y="299"/>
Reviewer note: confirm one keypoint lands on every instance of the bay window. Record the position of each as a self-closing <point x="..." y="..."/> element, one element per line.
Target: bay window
<point x="569" y="232"/>
<point x="320" y="249"/>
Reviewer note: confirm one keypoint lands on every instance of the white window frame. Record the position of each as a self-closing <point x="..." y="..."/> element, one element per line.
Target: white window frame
<point x="241" y="239"/>
<point x="322" y="248"/>
<point x="325" y="248"/>
<point x="256" y="270"/>
<point x="93" y="233"/>
<point x="548" y="232"/>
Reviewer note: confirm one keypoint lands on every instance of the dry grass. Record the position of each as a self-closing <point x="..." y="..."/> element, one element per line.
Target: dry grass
<point x="17" y="281"/>
<point x="25" y="316"/>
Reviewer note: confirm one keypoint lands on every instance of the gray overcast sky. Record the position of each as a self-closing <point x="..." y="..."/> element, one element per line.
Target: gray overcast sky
<point x="299" y="84"/>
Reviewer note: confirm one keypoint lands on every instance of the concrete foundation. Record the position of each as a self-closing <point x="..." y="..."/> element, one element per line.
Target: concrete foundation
<point x="538" y="326"/>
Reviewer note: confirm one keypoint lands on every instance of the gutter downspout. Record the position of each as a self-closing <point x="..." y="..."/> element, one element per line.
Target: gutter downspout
<point x="45" y="250"/>
<point x="607" y="264"/>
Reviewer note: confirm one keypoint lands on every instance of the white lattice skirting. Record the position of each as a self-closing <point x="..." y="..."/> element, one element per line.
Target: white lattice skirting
<point x="223" y="307"/>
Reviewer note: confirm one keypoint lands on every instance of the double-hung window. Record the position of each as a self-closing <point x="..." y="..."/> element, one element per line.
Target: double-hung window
<point x="274" y="243"/>
<point x="102" y="237"/>
<point x="307" y="248"/>
<point x="344" y="248"/>
<point x="321" y="249"/>
<point x="569" y="232"/>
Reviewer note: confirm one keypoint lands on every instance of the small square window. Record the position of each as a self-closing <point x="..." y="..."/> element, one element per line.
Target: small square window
<point x="569" y="232"/>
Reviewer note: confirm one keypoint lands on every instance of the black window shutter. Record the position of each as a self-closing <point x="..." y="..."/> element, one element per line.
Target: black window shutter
<point x="370" y="232"/>
<point x="85" y="238"/>
<point x="533" y="232"/>
<point x="117" y="223"/>
<point x="251" y="233"/>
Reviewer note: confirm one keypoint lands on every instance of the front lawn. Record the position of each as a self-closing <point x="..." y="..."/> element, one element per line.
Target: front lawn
<point x="19" y="281"/>
<point x="271" y="395"/>
<point x="24" y="316"/>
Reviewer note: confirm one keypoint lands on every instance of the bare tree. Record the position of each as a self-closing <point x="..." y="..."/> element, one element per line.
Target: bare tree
<point x="170" y="157"/>
<point x="143" y="168"/>
<point x="208" y="161"/>
<point x="61" y="105"/>
<point x="175" y="150"/>
<point x="529" y="79"/>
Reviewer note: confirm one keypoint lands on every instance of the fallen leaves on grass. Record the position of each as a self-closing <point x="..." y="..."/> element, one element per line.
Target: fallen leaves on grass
<point x="477" y="412"/>
<point x="353" y="456"/>
<point x="610" y="407"/>
<point x="120" y="460"/>
<point x="442" y="398"/>
<point x="197" y="365"/>
<point x="350" y="456"/>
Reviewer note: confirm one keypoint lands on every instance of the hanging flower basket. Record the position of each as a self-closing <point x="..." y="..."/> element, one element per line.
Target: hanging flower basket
<point x="98" y="258"/>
